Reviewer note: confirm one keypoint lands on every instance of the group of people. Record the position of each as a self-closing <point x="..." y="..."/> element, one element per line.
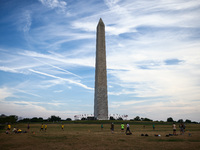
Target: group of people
<point x="181" y="126"/>
<point x="43" y="127"/>
<point x="15" y="130"/>
<point x="128" y="132"/>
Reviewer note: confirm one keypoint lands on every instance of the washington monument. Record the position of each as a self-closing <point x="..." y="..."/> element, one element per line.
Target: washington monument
<point x="100" y="96"/>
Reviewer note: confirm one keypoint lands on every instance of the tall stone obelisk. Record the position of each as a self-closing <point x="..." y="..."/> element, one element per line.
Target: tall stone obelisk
<point x="100" y="97"/>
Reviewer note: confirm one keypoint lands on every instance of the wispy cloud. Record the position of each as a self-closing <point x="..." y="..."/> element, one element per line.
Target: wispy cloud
<point x="7" y="69"/>
<point x="23" y="20"/>
<point x="28" y="23"/>
<point x="27" y="109"/>
<point x="45" y="62"/>
<point x="58" y="68"/>
<point x="86" y="61"/>
<point x="5" y="92"/>
<point x="25" y="92"/>
<point x="59" y="5"/>
<point x="58" y="91"/>
<point x="126" y="103"/>
<point x="128" y="15"/>
<point x="63" y="79"/>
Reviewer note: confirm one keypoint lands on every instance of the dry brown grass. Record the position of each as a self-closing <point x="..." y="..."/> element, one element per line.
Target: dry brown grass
<point x="84" y="136"/>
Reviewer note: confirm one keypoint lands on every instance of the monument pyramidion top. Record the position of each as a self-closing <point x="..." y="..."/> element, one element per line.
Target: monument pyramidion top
<point x="100" y="22"/>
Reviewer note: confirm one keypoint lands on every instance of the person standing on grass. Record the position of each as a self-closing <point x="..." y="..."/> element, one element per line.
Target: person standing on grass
<point x="181" y="129"/>
<point x="45" y="127"/>
<point x="9" y="127"/>
<point x="174" y="128"/>
<point x="101" y="126"/>
<point x="128" y="128"/>
<point x="28" y="127"/>
<point x="42" y="126"/>
<point x="62" y="126"/>
<point x="112" y="127"/>
<point x="122" y="127"/>
<point x="153" y="127"/>
<point x="184" y="128"/>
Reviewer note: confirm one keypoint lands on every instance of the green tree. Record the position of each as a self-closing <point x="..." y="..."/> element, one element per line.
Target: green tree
<point x="40" y="119"/>
<point x="170" y="119"/>
<point x="137" y="118"/>
<point x="8" y="119"/>
<point x="83" y="118"/>
<point x="188" y="121"/>
<point x="68" y="119"/>
<point x="13" y="119"/>
<point x="54" y="118"/>
<point x="120" y="118"/>
<point x="35" y="119"/>
<point x="25" y="120"/>
<point x="147" y="119"/>
<point x="180" y="121"/>
<point x="112" y="118"/>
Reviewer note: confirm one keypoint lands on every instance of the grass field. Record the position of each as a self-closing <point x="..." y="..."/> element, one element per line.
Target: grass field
<point x="90" y="136"/>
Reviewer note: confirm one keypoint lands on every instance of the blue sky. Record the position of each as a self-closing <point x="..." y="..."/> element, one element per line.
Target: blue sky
<point x="47" y="57"/>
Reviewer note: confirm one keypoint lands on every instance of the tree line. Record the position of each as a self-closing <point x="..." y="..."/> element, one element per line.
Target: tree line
<point x="14" y="119"/>
<point x="170" y="119"/>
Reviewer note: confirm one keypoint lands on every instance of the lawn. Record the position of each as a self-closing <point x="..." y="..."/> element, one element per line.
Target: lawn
<point x="91" y="136"/>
